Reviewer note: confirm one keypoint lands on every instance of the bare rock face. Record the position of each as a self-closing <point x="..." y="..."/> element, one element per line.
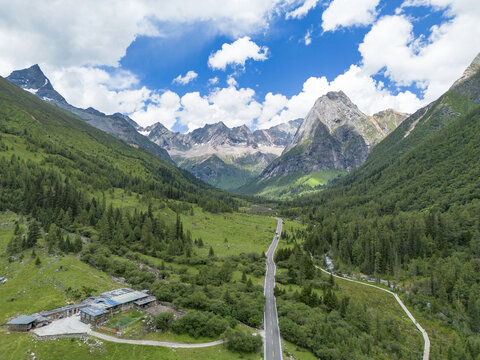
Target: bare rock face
<point x="388" y="120"/>
<point x="334" y="135"/>
<point x="222" y="156"/>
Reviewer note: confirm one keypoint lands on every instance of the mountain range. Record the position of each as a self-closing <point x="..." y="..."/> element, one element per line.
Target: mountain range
<point x="334" y="138"/>
<point x="222" y="156"/>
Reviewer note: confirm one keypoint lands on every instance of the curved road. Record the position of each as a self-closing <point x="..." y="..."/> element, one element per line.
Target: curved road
<point x="153" y="342"/>
<point x="426" y="340"/>
<point x="273" y="344"/>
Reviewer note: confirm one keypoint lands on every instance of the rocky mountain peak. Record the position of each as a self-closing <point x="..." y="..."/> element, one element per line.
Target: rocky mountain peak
<point x="334" y="110"/>
<point x="34" y="81"/>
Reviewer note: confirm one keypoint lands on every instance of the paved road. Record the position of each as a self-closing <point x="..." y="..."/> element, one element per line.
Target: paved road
<point x="154" y="343"/>
<point x="273" y="344"/>
<point x="426" y="340"/>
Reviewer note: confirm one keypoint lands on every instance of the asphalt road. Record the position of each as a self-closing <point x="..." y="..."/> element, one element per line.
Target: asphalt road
<point x="273" y="345"/>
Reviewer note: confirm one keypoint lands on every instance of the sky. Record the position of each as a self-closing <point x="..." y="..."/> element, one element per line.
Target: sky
<point x="187" y="63"/>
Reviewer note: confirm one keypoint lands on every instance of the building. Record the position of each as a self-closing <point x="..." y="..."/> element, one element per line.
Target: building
<point x="102" y="306"/>
<point x="62" y="312"/>
<point x="22" y="323"/>
<point x="41" y="320"/>
<point x="94" y="310"/>
<point x="145" y="302"/>
<point x="93" y="315"/>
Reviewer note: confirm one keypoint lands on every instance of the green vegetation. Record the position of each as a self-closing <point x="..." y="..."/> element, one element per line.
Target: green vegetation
<point x="84" y="195"/>
<point x="337" y="319"/>
<point x="124" y="319"/>
<point x="219" y="173"/>
<point x="15" y="346"/>
<point x="288" y="186"/>
<point x="410" y="215"/>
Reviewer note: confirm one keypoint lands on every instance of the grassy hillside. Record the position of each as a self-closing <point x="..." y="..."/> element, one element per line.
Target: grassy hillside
<point x="291" y="185"/>
<point x="411" y="214"/>
<point x="111" y="209"/>
<point x="219" y="173"/>
<point x="54" y="139"/>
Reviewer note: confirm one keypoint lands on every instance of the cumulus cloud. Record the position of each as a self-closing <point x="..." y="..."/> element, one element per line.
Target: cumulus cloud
<point x="188" y="77"/>
<point x="109" y="92"/>
<point x="271" y="106"/>
<point x="302" y="10"/>
<point x="90" y="32"/>
<point x="213" y="81"/>
<point x="163" y="109"/>
<point x="233" y="106"/>
<point x="431" y="64"/>
<point x="237" y="53"/>
<point x="346" y="13"/>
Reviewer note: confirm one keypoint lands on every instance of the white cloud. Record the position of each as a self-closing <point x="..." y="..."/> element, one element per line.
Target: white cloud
<point x="432" y="64"/>
<point x="164" y="110"/>
<point x="302" y="10"/>
<point x="308" y="38"/>
<point x="237" y="53"/>
<point x="188" y="77"/>
<point x="231" y="81"/>
<point x="90" y="32"/>
<point x="271" y="106"/>
<point x="213" y="81"/>
<point x="233" y="106"/>
<point x="346" y="13"/>
<point x="108" y="92"/>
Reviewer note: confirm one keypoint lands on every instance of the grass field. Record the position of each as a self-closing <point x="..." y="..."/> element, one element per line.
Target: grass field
<point x="15" y="346"/>
<point x="286" y="186"/>
<point x="124" y="319"/>
<point x="56" y="282"/>
<point x="243" y="232"/>
<point x="298" y="353"/>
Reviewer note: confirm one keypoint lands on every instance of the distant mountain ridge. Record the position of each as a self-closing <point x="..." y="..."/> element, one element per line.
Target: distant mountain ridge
<point x="222" y="156"/>
<point x="122" y="127"/>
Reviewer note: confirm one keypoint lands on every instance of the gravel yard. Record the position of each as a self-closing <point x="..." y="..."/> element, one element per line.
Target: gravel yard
<point x="69" y="325"/>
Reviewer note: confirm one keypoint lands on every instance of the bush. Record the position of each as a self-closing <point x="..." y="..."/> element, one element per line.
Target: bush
<point x="239" y="341"/>
<point x="163" y="321"/>
<point x="199" y="323"/>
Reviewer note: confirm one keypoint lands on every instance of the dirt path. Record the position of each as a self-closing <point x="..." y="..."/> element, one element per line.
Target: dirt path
<point x="153" y="342"/>
<point x="426" y="349"/>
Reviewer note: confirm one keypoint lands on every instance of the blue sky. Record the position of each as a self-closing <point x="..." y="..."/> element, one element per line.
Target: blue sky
<point x="397" y="54"/>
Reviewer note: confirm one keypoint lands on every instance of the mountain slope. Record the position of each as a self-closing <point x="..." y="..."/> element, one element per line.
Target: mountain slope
<point x="335" y="136"/>
<point x="462" y="97"/>
<point x="122" y="127"/>
<point x="87" y="156"/>
<point x="411" y="215"/>
<point x="222" y="156"/>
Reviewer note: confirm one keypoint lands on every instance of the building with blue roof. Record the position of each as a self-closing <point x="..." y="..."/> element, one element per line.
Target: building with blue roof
<point x="93" y="315"/>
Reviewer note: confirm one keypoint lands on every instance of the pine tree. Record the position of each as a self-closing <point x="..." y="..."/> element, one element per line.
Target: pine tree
<point x="33" y="234"/>
<point x="210" y="252"/>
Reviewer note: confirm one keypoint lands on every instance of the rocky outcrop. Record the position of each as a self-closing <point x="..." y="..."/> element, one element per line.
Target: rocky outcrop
<point x="334" y="135"/>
